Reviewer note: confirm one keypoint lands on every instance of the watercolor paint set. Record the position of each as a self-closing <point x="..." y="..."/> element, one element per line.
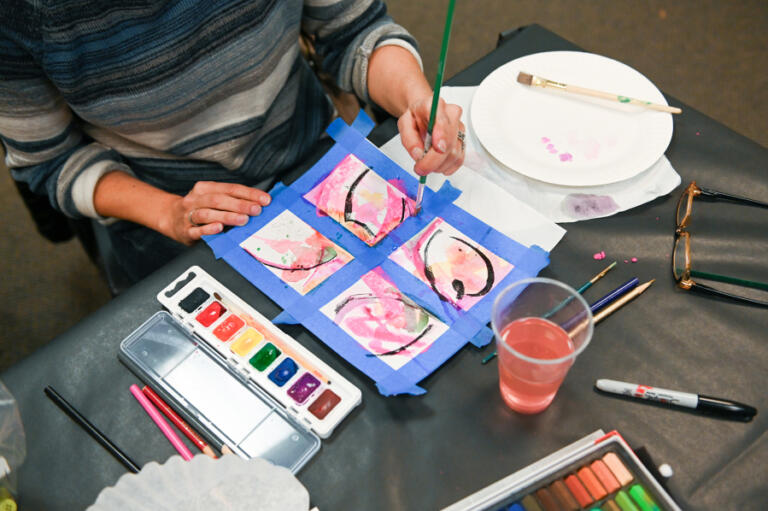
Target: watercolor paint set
<point x="236" y="376"/>
<point x="597" y="473"/>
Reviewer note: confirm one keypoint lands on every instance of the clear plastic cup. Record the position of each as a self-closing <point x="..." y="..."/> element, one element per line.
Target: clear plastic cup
<point x="541" y="326"/>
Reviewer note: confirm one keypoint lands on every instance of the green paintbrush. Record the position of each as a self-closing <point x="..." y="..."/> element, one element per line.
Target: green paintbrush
<point x="436" y="97"/>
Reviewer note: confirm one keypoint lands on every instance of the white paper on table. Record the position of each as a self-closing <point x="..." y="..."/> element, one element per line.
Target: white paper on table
<point x="557" y="203"/>
<point x="487" y="201"/>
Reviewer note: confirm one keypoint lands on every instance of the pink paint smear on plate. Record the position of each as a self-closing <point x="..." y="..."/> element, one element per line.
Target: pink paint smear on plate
<point x="550" y="147"/>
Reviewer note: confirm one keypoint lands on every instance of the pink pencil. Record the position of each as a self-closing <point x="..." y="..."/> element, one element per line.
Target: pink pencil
<point x="161" y="423"/>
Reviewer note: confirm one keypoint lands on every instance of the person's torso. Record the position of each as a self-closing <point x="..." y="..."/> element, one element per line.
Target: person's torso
<point x="216" y="84"/>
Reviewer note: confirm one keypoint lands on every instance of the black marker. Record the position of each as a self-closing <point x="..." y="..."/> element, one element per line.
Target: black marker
<point x="711" y="405"/>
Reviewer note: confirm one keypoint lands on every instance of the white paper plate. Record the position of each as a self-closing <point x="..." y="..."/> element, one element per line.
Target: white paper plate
<point x="564" y="138"/>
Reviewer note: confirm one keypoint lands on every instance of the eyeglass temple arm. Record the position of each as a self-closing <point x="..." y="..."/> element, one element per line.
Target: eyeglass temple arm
<point x="714" y="194"/>
<point x="729" y="280"/>
<point x="711" y="290"/>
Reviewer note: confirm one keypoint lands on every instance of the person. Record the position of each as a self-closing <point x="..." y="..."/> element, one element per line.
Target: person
<point x="166" y="119"/>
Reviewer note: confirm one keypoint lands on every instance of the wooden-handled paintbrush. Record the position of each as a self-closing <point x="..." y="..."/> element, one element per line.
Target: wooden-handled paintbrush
<point x="537" y="81"/>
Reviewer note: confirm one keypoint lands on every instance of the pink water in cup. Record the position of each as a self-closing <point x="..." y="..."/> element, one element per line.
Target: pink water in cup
<point x="541" y="325"/>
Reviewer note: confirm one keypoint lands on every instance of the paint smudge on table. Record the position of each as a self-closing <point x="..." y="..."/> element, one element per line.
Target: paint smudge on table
<point x="361" y="200"/>
<point x="295" y="252"/>
<point x="385" y="322"/>
<point x="599" y="256"/>
<point x="585" y="205"/>
<point x="458" y="269"/>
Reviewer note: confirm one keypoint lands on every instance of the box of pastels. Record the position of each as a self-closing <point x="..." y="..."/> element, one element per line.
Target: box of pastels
<point x="597" y="473"/>
<point x="240" y="380"/>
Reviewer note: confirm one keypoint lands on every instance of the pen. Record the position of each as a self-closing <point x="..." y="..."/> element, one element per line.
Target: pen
<point x="706" y="404"/>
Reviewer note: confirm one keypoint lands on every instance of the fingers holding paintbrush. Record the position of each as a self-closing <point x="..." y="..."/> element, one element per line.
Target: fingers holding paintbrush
<point x="443" y="152"/>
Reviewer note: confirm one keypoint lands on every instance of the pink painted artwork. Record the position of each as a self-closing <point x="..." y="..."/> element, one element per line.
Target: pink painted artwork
<point x="302" y="257"/>
<point x="458" y="269"/>
<point x="385" y="322"/>
<point x="361" y="200"/>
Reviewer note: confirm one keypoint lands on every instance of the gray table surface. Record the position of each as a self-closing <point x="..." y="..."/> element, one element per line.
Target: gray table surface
<point x="428" y="451"/>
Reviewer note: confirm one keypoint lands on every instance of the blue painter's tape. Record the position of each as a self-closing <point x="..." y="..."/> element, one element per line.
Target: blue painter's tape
<point x="362" y="123"/>
<point x="483" y="338"/>
<point x="463" y="326"/>
<point x="284" y="319"/>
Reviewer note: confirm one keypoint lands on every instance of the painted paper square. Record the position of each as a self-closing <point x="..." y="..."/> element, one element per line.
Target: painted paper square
<point x="385" y="322"/>
<point x="295" y="252"/>
<point x="361" y="200"/>
<point x="458" y="269"/>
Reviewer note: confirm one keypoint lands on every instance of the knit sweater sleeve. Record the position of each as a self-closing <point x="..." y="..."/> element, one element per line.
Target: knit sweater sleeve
<point x="44" y="146"/>
<point x="345" y="34"/>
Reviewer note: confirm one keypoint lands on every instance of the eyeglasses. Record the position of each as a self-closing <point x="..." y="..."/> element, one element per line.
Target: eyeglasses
<point x="681" y="255"/>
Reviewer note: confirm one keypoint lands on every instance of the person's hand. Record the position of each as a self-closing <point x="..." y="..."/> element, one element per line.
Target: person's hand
<point x="447" y="152"/>
<point x="209" y="206"/>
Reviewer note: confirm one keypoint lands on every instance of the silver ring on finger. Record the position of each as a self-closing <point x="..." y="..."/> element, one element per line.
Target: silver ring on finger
<point x="189" y="217"/>
<point x="461" y="136"/>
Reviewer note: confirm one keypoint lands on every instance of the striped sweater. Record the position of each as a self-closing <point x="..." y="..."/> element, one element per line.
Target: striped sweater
<point x="172" y="91"/>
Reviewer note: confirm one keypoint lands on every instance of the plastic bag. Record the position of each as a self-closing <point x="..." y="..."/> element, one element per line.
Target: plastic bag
<point x="12" y="440"/>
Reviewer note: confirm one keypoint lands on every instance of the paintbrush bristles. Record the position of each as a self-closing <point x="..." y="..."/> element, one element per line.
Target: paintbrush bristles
<point x="524" y="78"/>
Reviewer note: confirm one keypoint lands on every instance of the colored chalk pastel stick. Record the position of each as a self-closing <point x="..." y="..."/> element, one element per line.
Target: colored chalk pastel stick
<point x="605" y="476"/>
<point x="515" y="507"/>
<point x="547" y="500"/>
<point x="530" y="504"/>
<point x="564" y="496"/>
<point x="592" y="483"/>
<point x="610" y="505"/>
<point x="642" y="499"/>
<point x="624" y="502"/>
<point x="578" y="491"/>
<point x="619" y="470"/>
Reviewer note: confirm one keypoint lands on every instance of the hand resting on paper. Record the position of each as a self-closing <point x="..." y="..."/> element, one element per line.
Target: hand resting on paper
<point x="210" y="205"/>
<point x="447" y="152"/>
<point x="206" y="209"/>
